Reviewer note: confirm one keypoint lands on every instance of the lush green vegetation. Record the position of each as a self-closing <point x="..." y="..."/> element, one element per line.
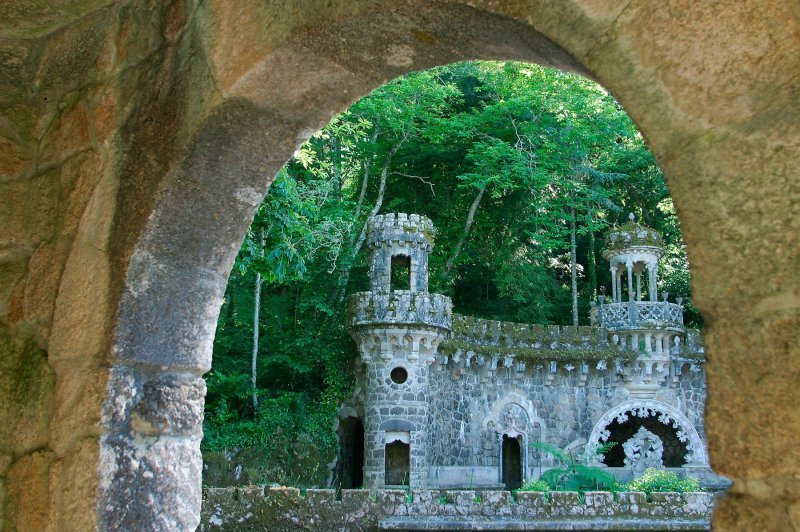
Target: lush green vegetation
<point x="572" y="474"/>
<point x="521" y="168"/>
<point x="657" y="480"/>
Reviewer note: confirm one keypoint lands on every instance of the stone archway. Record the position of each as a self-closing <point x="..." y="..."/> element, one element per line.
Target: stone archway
<point x="145" y="136"/>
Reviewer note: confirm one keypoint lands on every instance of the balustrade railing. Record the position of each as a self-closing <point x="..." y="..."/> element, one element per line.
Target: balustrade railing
<point x="637" y="314"/>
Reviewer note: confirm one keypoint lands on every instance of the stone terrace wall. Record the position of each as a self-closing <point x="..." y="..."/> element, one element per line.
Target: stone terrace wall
<point x="490" y="337"/>
<point x="548" y="342"/>
<point x="277" y="509"/>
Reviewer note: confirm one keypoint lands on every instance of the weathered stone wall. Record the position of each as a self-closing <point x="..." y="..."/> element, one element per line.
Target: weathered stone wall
<point x="464" y="411"/>
<point x="137" y="138"/>
<point x="282" y="509"/>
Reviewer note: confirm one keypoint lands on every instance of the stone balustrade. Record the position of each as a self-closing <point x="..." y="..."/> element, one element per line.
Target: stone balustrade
<point x="638" y="315"/>
<point x="399" y="307"/>
<point x="547" y="342"/>
<point x="286" y="509"/>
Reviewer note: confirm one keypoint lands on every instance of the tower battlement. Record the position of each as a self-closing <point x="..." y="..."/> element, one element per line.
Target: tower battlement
<point x="400" y="227"/>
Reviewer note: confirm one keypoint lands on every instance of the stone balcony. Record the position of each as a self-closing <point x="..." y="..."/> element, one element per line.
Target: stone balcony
<point x="399" y="307"/>
<point x="638" y="315"/>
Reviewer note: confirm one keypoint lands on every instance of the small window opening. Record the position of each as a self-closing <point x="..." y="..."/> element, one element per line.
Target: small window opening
<point x="398" y="460"/>
<point x="401" y="272"/>
<point x="399" y="375"/>
<point x="512" y="463"/>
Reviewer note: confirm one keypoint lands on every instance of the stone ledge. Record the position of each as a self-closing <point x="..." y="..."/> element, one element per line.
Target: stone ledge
<point x="541" y="524"/>
<point x="288" y="509"/>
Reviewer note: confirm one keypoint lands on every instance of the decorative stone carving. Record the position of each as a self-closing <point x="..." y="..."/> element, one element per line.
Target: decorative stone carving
<point x="696" y="453"/>
<point x="643" y="450"/>
<point x="514" y="420"/>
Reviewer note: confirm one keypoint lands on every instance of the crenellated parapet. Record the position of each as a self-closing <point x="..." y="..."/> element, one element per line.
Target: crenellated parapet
<point x="400" y="227"/>
<point x="398" y="324"/>
<point x="399" y="307"/>
<point x="281" y="508"/>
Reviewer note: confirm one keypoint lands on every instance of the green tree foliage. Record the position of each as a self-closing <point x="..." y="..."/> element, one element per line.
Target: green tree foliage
<point x="521" y="168"/>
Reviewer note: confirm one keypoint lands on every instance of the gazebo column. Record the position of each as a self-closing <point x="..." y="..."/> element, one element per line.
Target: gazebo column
<point x="629" y="267"/>
<point x="653" y="285"/>
<point x="638" y="286"/>
<point x="613" y="284"/>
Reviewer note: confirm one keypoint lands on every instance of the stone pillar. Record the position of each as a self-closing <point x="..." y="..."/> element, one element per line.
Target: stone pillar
<point x="638" y="286"/>
<point x="653" y="286"/>
<point x="613" y="284"/>
<point x="629" y="267"/>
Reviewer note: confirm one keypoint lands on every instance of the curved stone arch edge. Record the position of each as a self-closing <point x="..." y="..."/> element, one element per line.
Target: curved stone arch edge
<point x="666" y="414"/>
<point x="186" y="278"/>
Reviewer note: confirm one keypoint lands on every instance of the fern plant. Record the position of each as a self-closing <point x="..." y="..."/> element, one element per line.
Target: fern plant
<point x="576" y="475"/>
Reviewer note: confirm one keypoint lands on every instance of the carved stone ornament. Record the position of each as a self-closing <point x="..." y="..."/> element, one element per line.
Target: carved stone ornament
<point x="643" y="450"/>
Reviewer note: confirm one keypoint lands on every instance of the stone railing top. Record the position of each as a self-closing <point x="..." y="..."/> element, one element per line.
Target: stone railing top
<point x="546" y="342"/>
<point x="286" y="508"/>
<point x="400" y="226"/>
<point x="638" y="315"/>
<point x="399" y="307"/>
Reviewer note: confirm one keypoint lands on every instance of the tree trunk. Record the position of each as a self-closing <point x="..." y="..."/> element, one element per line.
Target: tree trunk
<point x="573" y="260"/>
<point x="467" y="227"/>
<point x="365" y="180"/>
<point x="341" y="287"/>
<point x="256" y="316"/>
<point x="592" y="267"/>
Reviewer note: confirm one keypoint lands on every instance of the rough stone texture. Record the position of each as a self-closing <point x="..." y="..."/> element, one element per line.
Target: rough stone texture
<point x="151" y="129"/>
<point x="285" y="509"/>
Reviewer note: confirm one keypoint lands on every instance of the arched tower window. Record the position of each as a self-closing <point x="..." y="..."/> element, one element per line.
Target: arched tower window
<point x="400" y="276"/>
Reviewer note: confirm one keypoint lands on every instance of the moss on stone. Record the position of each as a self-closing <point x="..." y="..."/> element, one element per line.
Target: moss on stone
<point x="27" y="388"/>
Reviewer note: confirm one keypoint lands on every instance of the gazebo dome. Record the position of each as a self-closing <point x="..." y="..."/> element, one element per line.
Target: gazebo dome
<point x="633" y="237"/>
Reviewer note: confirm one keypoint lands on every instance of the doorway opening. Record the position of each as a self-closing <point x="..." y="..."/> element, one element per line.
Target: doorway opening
<point x="512" y="463"/>
<point x="351" y="458"/>
<point x="398" y="462"/>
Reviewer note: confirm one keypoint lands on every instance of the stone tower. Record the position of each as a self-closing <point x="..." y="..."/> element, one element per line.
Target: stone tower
<point x="398" y="326"/>
<point x="645" y="325"/>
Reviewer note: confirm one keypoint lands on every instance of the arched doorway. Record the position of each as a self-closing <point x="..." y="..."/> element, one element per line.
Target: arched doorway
<point x="351" y="453"/>
<point x="512" y="462"/>
<point x="397" y="460"/>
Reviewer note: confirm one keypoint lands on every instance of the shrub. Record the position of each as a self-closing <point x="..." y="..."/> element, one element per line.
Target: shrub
<point x="535" y="485"/>
<point x="661" y="480"/>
